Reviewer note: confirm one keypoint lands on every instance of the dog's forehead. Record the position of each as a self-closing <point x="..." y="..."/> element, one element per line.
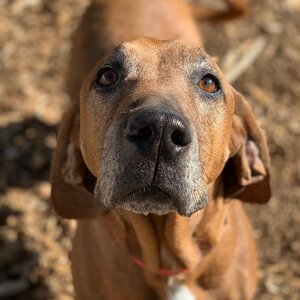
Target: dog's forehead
<point x="151" y="53"/>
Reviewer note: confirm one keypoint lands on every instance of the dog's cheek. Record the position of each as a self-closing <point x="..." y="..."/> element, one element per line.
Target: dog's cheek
<point x="89" y="153"/>
<point x="90" y="145"/>
<point x="110" y="167"/>
<point x="93" y="127"/>
<point x="214" y="138"/>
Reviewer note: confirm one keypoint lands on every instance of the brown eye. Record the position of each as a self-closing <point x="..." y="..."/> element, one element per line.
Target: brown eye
<point x="209" y="84"/>
<point x="107" y="77"/>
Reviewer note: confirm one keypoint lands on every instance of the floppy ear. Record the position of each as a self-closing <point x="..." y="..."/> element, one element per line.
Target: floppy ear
<point x="72" y="184"/>
<point x="246" y="174"/>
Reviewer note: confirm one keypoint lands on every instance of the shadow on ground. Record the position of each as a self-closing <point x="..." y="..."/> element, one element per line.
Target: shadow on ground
<point x="25" y="153"/>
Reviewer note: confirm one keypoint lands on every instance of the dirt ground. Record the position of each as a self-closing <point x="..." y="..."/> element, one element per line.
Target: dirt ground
<point x="34" y="44"/>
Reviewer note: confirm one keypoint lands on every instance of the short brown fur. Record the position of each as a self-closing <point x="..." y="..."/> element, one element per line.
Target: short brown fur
<point x="229" y="151"/>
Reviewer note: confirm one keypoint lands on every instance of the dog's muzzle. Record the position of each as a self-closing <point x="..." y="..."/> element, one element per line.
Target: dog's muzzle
<point x="156" y="168"/>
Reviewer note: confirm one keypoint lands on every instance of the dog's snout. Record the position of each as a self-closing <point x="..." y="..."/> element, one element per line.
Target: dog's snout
<point x="154" y="129"/>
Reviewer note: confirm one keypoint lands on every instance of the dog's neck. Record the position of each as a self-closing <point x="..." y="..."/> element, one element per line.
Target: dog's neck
<point x="172" y="241"/>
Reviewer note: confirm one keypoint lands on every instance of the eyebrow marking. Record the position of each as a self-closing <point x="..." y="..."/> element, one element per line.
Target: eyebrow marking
<point x="117" y="57"/>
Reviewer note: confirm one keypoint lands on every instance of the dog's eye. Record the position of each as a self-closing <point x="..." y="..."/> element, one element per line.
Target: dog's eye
<point x="209" y="84"/>
<point x="107" y="77"/>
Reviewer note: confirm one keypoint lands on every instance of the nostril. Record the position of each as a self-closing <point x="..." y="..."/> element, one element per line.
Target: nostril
<point x="180" y="138"/>
<point x="140" y="135"/>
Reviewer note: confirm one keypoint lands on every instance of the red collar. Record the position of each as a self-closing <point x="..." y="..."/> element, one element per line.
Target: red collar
<point x="161" y="272"/>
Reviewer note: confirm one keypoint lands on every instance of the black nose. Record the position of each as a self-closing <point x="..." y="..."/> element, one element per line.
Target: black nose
<point x="155" y="129"/>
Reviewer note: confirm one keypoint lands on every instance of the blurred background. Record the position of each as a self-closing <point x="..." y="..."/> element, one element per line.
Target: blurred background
<point x="260" y="54"/>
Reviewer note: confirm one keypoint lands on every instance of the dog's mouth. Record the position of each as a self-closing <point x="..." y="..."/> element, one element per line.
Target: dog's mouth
<point x="146" y="186"/>
<point x="161" y="195"/>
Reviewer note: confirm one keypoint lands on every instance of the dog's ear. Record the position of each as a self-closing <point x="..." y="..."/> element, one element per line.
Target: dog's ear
<point x="72" y="183"/>
<point x="246" y="174"/>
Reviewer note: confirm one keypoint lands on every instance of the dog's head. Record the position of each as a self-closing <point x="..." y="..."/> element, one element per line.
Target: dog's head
<point x="156" y="124"/>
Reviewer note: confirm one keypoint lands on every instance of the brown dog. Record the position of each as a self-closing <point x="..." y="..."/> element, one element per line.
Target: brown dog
<point x="150" y="158"/>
